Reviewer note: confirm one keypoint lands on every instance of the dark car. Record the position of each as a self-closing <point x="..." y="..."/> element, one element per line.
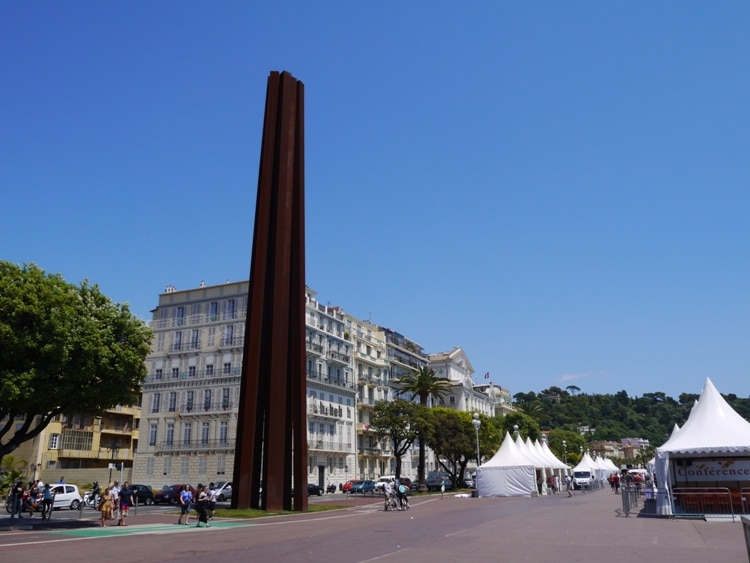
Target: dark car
<point x="406" y="482"/>
<point x="314" y="490"/>
<point x="170" y="494"/>
<point x="414" y="485"/>
<point x="366" y="486"/>
<point x="143" y="494"/>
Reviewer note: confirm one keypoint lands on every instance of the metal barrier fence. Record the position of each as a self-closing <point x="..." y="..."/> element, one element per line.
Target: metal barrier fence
<point x="643" y="500"/>
<point x="685" y="502"/>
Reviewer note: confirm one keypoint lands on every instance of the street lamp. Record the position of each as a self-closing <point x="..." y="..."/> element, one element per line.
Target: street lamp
<point x="515" y="430"/>
<point x="476" y="423"/>
<point x="565" y="452"/>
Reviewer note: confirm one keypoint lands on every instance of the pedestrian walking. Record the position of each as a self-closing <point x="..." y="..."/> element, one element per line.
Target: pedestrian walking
<point x="186" y="497"/>
<point x="105" y="506"/>
<point x="568" y="485"/>
<point x="16" y="499"/>
<point x="126" y="501"/>
<point x="212" y="498"/>
<point x="201" y="506"/>
<point x="442" y="489"/>
<point x="115" y="494"/>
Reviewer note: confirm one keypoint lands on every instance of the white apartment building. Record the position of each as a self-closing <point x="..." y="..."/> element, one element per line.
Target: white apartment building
<point x="190" y="397"/>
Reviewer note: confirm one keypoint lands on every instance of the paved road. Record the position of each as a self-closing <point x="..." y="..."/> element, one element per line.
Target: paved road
<point x="555" y="528"/>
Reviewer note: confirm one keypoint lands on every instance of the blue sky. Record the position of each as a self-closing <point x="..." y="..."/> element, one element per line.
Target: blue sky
<point x="559" y="188"/>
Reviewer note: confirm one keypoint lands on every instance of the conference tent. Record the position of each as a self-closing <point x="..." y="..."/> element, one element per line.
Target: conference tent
<point x="508" y="473"/>
<point x="712" y="449"/>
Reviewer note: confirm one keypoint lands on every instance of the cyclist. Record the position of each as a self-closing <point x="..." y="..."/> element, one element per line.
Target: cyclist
<point x="387" y="493"/>
<point x="403" y="499"/>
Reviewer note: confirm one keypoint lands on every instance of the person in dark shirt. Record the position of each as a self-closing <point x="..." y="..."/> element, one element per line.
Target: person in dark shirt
<point x="126" y="500"/>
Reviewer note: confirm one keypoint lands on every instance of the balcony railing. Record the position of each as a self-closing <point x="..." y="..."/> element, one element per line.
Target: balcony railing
<point x="314" y="347"/>
<point x="185" y="347"/>
<point x="232" y="342"/>
<point x="181" y="445"/>
<point x="339" y="357"/>
<point x="197" y="407"/>
<point x="160" y="324"/>
<point x="329" y="446"/>
<point x="316" y="376"/>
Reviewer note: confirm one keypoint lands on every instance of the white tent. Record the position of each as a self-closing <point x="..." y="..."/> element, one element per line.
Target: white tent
<point x="713" y="432"/>
<point x="508" y="473"/>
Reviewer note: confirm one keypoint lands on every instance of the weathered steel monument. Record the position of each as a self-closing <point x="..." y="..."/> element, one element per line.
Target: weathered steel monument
<point x="272" y="428"/>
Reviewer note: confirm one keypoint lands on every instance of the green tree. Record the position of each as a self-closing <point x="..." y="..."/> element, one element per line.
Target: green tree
<point x="527" y="426"/>
<point x="423" y="383"/>
<point x="10" y="470"/>
<point x="452" y="438"/>
<point x="399" y="421"/>
<point x="63" y="349"/>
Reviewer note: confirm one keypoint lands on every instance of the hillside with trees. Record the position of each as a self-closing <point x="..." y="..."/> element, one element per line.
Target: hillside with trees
<point x="613" y="417"/>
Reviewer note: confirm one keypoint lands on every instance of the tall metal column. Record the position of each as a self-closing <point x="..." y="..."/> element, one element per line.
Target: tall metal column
<point x="271" y="427"/>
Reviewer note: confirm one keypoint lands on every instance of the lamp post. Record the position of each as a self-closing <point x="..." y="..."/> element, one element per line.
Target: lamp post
<point x="476" y="423"/>
<point x="515" y="430"/>
<point x="565" y="452"/>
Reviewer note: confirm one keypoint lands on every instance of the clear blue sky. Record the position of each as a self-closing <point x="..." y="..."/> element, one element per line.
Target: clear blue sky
<point x="561" y="188"/>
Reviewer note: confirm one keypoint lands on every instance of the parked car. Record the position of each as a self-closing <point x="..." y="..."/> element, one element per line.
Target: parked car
<point x="347" y="487"/>
<point x="405" y="481"/>
<point x="313" y="489"/>
<point x="366" y="486"/>
<point x="143" y="494"/>
<point x="170" y="494"/>
<point x="414" y="485"/>
<point x="469" y="482"/>
<point x="66" y="496"/>
<point x="223" y="490"/>
<point x="380" y="483"/>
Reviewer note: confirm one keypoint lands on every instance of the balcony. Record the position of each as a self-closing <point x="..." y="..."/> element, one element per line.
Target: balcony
<point x="185" y="347"/>
<point x="235" y="342"/>
<point x="109" y="428"/>
<point x="198" y="408"/>
<point x="338" y="382"/>
<point x="314" y="348"/>
<point x="365" y="427"/>
<point x="195" y="445"/>
<point x="329" y="446"/>
<point x="339" y="357"/>
<point x="366" y="402"/>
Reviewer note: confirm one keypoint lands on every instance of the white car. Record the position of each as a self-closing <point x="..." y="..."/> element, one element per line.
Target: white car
<point x="66" y="496"/>
<point x="380" y="483"/>
<point x="223" y="490"/>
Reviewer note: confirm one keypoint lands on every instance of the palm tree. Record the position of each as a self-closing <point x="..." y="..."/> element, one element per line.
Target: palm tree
<point x="423" y="383"/>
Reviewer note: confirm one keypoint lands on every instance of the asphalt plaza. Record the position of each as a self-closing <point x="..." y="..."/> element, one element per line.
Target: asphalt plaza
<point x="590" y="527"/>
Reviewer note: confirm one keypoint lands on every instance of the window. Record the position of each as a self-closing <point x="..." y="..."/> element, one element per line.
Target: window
<point x="175" y="373"/>
<point x="213" y="310"/>
<point x="54" y="441"/>
<point x="172" y="402"/>
<point x="185" y="466"/>
<point x="191" y="371"/>
<point x="211" y="335"/>
<point x="155" y="400"/>
<point x="207" y="399"/>
<point x="152" y="434"/>
<point x="221" y="464"/>
<point x="225" y="404"/>
<point x="170" y="434"/>
<point x="229" y="308"/>
<point x="179" y="316"/>
<point x="149" y="466"/>
<point x="209" y="369"/>
<point x="160" y="342"/>
<point x="227" y="368"/>
<point x="204" y="434"/>
<point x="159" y="373"/>
<point x="452" y="400"/>
<point x="167" y="465"/>
<point x="228" y="335"/>
<point x="177" y="340"/>
<point x="187" y="433"/>
<point x="189" y="403"/>
<point x="223" y="429"/>
<point x="202" y="462"/>
<point x="194" y="339"/>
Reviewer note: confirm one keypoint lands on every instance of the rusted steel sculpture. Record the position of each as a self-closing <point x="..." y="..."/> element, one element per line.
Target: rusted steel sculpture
<point x="271" y="427"/>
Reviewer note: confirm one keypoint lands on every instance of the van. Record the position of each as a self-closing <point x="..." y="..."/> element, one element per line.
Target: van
<point x="582" y="479"/>
<point x="380" y="484"/>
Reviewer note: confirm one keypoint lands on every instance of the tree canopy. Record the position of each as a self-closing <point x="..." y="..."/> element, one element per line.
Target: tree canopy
<point x="401" y="422"/>
<point x="63" y="349"/>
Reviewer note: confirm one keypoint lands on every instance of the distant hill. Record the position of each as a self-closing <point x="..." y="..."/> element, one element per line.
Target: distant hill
<point x="612" y="417"/>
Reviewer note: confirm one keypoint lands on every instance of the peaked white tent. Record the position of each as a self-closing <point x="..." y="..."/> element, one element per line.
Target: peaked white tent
<point x="711" y="449"/>
<point x="508" y="473"/>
